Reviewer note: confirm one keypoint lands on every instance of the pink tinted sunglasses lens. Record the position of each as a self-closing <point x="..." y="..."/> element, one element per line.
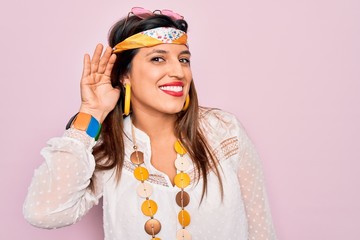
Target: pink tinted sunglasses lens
<point x="141" y="12"/>
<point x="171" y="14"/>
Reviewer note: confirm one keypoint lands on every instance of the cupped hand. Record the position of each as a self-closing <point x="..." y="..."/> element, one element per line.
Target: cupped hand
<point x="98" y="97"/>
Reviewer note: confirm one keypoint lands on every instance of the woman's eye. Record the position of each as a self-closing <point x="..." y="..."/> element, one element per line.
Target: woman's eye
<point x="184" y="60"/>
<point x="157" y="59"/>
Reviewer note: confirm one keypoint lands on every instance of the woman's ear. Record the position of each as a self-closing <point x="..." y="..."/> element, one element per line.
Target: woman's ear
<point x="125" y="79"/>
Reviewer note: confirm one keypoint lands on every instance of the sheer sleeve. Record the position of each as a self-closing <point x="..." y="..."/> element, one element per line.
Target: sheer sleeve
<point x="252" y="186"/>
<point x="59" y="193"/>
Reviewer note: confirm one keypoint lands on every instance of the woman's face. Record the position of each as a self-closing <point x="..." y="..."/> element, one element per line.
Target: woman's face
<point x="160" y="79"/>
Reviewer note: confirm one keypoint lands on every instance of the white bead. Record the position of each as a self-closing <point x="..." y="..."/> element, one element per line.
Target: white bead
<point x="183" y="234"/>
<point x="182" y="164"/>
<point x="144" y="190"/>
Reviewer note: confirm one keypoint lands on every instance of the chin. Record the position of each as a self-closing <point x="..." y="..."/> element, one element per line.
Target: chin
<point x="173" y="110"/>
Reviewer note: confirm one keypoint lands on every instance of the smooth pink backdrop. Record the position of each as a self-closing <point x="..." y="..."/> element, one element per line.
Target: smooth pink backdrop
<point x="290" y="71"/>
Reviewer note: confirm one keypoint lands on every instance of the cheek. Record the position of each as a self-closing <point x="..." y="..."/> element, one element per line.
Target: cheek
<point x="188" y="74"/>
<point x="148" y="75"/>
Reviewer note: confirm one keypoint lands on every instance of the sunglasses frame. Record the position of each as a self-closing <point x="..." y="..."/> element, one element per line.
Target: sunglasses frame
<point x="147" y="13"/>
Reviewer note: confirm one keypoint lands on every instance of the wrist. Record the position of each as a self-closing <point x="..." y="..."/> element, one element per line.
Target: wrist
<point x="97" y="114"/>
<point x="87" y="123"/>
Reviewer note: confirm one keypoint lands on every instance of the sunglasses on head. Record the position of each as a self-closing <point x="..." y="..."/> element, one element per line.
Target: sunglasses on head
<point x="144" y="13"/>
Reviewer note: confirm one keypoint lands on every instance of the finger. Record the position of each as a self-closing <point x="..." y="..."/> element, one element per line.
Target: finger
<point x="96" y="58"/>
<point x="110" y="65"/>
<point x="86" y="68"/>
<point x="104" y="60"/>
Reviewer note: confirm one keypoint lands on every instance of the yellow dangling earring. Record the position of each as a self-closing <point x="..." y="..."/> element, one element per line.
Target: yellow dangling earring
<point x="127" y="99"/>
<point x="187" y="103"/>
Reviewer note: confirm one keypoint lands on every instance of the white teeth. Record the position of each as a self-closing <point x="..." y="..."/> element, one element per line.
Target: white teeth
<point x="172" y="88"/>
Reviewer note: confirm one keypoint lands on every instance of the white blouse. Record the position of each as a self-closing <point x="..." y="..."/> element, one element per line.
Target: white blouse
<point x="59" y="194"/>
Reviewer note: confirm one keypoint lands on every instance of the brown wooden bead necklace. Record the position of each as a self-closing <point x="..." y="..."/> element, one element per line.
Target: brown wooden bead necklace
<point x="144" y="190"/>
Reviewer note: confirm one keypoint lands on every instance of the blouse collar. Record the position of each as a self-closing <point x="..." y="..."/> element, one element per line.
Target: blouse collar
<point x="141" y="137"/>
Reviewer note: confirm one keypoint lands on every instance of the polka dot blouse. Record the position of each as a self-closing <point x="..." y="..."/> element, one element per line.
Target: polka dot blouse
<point x="59" y="194"/>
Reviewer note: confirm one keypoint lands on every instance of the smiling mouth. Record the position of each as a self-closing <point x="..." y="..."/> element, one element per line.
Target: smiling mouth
<point x="173" y="89"/>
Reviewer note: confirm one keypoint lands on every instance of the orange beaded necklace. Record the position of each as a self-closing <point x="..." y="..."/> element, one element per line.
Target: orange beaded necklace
<point x="144" y="190"/>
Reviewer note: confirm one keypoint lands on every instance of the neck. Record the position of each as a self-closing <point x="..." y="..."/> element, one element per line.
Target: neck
<point x="155" y="126"/>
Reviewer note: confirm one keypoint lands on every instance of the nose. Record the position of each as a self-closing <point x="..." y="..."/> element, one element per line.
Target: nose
<point x="176" y="69"/>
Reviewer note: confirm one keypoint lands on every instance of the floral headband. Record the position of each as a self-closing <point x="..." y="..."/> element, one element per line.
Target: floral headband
<point x="152" y="37"/>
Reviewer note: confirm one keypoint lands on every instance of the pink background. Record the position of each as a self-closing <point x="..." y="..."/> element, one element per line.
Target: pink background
<point x="290" y="71"/>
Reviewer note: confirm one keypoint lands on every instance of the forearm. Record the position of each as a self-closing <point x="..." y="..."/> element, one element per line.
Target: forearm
<point x="251" y="179"/>
<point x="59" y="193"/>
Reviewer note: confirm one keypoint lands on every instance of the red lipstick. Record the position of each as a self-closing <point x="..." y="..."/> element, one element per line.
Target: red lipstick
<point x="174" y="89"/>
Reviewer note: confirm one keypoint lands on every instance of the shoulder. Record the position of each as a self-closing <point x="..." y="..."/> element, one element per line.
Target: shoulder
<point x="213" y="119"/>
<point x="220" y="127"/>
<point x="225" y="134"/>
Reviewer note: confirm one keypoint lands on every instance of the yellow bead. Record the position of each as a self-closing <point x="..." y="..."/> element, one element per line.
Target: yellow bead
<point x="179" y="148"/>
<point x="141" y="173"/>
<point x="149" y="208"/>
<point x="184" y="218"/>
<point x="182" y="180"/>
<point x="155" y="239"/>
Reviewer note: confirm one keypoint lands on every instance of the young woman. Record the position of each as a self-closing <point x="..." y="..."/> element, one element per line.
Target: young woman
<point x="165" y="167"/>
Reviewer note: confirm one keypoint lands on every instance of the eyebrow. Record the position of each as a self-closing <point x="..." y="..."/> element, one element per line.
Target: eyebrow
<point x="165" y="52"/>
<point x="185" y="52"/>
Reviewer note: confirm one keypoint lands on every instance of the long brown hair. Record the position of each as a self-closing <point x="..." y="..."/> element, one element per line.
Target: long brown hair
<point x="109" y="151"/>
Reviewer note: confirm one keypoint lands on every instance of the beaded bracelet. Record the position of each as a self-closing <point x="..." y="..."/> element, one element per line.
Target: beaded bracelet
<point x="85" y="122"/>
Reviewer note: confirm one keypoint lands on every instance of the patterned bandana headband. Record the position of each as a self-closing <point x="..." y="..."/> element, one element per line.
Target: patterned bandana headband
<point x="152" y="37"/>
